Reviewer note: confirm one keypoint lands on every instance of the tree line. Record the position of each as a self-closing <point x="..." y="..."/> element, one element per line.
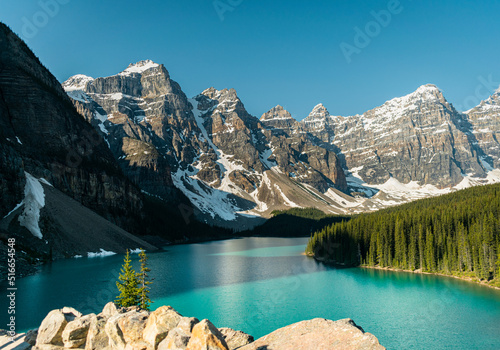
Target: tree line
<point x="454" y="234"/>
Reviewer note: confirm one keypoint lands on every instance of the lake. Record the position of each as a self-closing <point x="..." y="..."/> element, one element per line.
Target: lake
<point x="260" y="284"/>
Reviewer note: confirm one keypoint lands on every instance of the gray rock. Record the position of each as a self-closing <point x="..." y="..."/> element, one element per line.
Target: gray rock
<point x="176" y="339"/>
<point x="317" y="334"/>
<point x="75" y="332"/>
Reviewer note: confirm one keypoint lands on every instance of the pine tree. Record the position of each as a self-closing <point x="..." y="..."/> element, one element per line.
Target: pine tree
<point x="128" y="284"/>
<point x="144" y="300"/>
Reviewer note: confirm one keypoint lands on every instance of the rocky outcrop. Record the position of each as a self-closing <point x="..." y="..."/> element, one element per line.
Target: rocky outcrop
<point x="485" y="122"/>
<point x="419" y="137"/>
<point x="317" y="334"/>
<point x="52" y="328"/>
<point x="235" y="339"/>
<point x="165" y="329"/>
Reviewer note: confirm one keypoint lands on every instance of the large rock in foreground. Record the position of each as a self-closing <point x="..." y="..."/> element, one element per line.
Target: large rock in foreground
<point x="317" y="334"/>
<point x="165" y="329"/>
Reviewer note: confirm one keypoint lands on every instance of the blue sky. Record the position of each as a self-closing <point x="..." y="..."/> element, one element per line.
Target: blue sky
<point x="276" y="52"/>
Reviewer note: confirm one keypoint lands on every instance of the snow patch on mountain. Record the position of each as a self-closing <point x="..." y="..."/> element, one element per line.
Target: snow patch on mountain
<point x="139" y="67"/>
<point x="34" y="200"/>
<point x="77" y="82"/>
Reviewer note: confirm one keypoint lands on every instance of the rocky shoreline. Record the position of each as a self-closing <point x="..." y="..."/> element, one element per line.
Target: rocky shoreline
<point x="163" y="329"/>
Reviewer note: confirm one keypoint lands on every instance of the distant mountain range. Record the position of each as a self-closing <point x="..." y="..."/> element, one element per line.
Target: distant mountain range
<point x="234" y="167"/>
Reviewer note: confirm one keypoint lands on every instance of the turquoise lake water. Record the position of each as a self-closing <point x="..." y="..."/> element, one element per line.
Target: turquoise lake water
<point x="260" y="284"/>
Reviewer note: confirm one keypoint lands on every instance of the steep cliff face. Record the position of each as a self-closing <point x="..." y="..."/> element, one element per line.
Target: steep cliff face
<point x="42" y="134"/>
<point x="419" y="137"/>
<point x="485" y="121"/>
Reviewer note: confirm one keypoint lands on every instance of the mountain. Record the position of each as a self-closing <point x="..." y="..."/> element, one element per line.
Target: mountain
<point x="485" y="121"/>
<point x="63" y="192"/>
<point x="230" y="165"/>
<point x="419" y="137"/>
<point x="236" y="168"/>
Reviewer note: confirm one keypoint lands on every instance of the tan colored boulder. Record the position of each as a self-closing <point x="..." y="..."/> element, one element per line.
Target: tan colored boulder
<point x="138" y="345"/>
<point x="52" y="327"/>
<point x="48" y="347"/>
<point x="97" y="339"/>
<point x="109" y="310"/>
<point x="206" y="336"/>
<point x="159" y="323"/>
<point x="318" y="334"/>
<point x="75" y="332"/>
<point x="132" y="325"/>
<point x="114" y="333"/>
<point x="187" y="324"/>
<point x="235" y="339"/>
<point x="176" y="339"/>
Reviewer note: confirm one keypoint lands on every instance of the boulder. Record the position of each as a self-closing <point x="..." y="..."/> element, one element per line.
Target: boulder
<point x="176" y="339"/>
<point x="30" y="337"/>
<point x="75" y="333"/>
<point x="52" y="327"/>
<point x="109" y="310"/>
<point x="47" y="347"/>
<point x="114" y="333"/>
<point x="317" y="334"/>
<point x="97" y="339"/>
<point x="132" y="325"/>
<point x="235" y="339"/>
<point x="159" y="323"/>
<point x="206" y="336"/>
<point x="187" y="324"/>
<point x="138" y="345"/>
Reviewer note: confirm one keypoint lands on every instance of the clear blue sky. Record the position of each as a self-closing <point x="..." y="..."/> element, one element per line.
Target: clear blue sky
<point x="275" y="52"/>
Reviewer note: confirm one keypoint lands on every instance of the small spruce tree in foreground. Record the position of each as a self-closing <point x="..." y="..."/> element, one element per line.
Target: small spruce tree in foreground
<point x="128" y="284"/>
<point x="144" y="281"/>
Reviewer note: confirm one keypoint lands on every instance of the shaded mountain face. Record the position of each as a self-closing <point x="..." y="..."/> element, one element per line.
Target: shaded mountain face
<point x="56" y="172"/>
<point x="42" y="133"/>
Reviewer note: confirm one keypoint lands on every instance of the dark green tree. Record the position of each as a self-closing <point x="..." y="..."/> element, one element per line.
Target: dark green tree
<point x="144" y="281"/>
<point x="128" y="284"/>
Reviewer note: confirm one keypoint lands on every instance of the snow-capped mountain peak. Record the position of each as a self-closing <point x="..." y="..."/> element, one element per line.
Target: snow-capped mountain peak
<point x="139" y="67"/>
<point x="319" y="112"/>
<point x="77" y="82"/>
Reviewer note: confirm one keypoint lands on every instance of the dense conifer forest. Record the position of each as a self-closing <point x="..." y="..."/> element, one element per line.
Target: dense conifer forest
<point x="455" y="234"/>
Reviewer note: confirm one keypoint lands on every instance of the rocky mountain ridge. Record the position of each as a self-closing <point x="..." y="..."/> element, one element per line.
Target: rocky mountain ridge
<point x="233" y="166"/>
